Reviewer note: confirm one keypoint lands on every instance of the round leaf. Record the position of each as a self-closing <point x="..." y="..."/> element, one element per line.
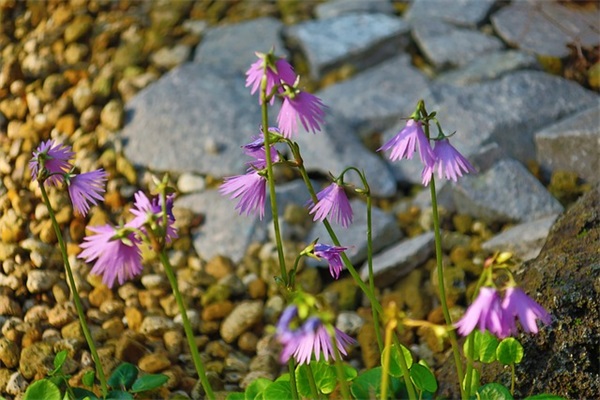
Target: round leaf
<point x="484" y="346"/>
<point x="123" y="376"/>
<point x="494" y="391"/>
<point x="545" y="396"/>
<point x="509" y="351"/>
<point x="256" y="388"/>
<point x="84" y="394"/>
<point x="88" y="378"/>
<point x="119" y="395"/>
<point x="59" y="359"/>
<point x="148" y="382"/>
<point x="278" y="390"/>
<point x="475" y="377"/>
<point x="423" y="378"/>
<point x="395" y="369"/>
<point x="42" y="389"/>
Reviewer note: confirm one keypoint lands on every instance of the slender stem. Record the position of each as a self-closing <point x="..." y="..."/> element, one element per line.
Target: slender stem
<point x="341" y="376"/>
<point x="78" y="305"/>
<point x="311" y="382"/>
<point x="370" y="266"/>
<point x="293" y="386"/>
<point x="512" y="379"/>
<point x="469" y="356"/>
<point x="442" y="287"/>
<point x="271" y="180"/>
<point x="186" y="325"/>
<point x="385" y="367"/>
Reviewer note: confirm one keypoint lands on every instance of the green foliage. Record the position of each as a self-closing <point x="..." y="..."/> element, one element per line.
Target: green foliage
<point x="395" y="369"/>
<point x="368" y="385"/>
<point x="545" y="396"/>
<point x="279" y="389"/>
<point x="148" y="382"/>
<point x="509" y="351"/>
<point x="485" y="345"/>
<point x="423" y="378"/>
<point x="123" y="376"/>
<point x="475" y="378"/>
<point x="493" y="391"/>
<point x="324" y="375"/>
<point x="43" y="389"/>
<point x="255" y="390"/>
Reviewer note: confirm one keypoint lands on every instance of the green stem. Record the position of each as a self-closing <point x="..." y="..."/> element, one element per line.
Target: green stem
<point x="311" y="382"/>
<point x="186" y="325"/>
<point x="293" y="386"/>
<point x="78" y="305"/>
<point x="512" y="379"/>
<point x="469" y="372"/>
<point x="271" y="180"/>
<point x="385" y="365"/>
<point x="442" y="287"/>
<point x="370" y="266"/>
<point x="340" y="369"/>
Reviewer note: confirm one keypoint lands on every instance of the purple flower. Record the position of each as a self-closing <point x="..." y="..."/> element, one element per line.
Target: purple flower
<point x="301" y="342"/>
<point x="486" y="312"/>
<point x="404" y="144"/>
<point x="281" y="71"/>
<point x="146" y="212"/>
<point x="252" y="190"/>
<point x="117" y="254"/>
<point x="256" y="150"/>
<point x="517" y="304"/>
<point x="54" y="158"/>
<point x="86" y="189"/>
<point x="332" y="255"/>
<point x="448" y="160"/>
<point x="332" y="201"/>
<point x="303" y="106"/>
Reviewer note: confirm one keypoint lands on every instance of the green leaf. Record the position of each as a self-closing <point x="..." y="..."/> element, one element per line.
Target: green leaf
<point x="509" y="351"/>
<point x="283" y="377"/>
<point x="350" y="372"/>
<point x="149" y="382"/>
<point x="494" y="391"/>
<point x="368" y="384"/>
<point x="88" y="378"/>
<point x="59" y="360"/>
<point x="423" y="378"/>
<point x="81" y="394"/>
<point x="545" y="396"/>
<point x="325" y="376"/>
<point x="395" y="369"/>
<point x="119" y="395"/>
<point x="484" y="348"/>
<point x="278" y="390"/>
<point x="123" y="376"/>
<point x="235" y="396"/>
<point x="475" y="377"/>
<point x="255" y="390"/>
<point x="42" y="389"/>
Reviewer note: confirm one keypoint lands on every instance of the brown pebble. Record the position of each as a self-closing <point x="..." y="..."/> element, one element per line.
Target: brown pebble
<point x="99" y="295"/>
<point x="134" y="318"/>
<point x="173" y="340"/>
<point x="114" y="327"/>
<point x="257" y="289"/>
<point x="9" y="307"/>
<point x="217" y="311"/>
<point x="247" y="342"/>
<point x="219" y="266"/>
<point x="153" y="363"/>
<point x="129" y="349"/>
<point x="66" y="124"/>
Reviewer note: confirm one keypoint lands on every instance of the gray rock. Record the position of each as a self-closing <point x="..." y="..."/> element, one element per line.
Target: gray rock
<point x="373" y="100"/>
<point x="154" y="325"/>
<point x="572" y="144"/>
<point x="336" y="147"/>
<point x="399" y="260"/>
<point x="448" y="46"/>
<point x="169" y="57"/>
<point x="546" y="28"/>
<point x="385" y="231"/>
<point x="524" y="240"/>
<point x="360" y="39"/>
<point x="349" y="322"/>
<point x="505" y="193"/>
<point x="16" y="384"/>
<point x="457" y="12"/>
<point x="204" y="116"/>
<point x="335" y="8"/>
<point x="187" y="183"/>
<point x="242" y="317"/>
<point x="240" y="41"/>
<point x="489" y="66"/>
<point x="40" y="280"/>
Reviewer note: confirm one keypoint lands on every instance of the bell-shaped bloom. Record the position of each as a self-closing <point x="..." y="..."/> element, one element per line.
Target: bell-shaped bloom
<point x="404" y="144"/>
<point x="280" y="71"/>
<point x="147" y="213"/>
<point x="448" y="163"/>
<point x="301" y="106"/>
<point x="308" y="339"/>
<point x="54" y="158"/>
<point x="251" y="188"/>
<point x="86" y="189"/>
<point x="486" y="313"/>
<point x="256" y="150"/>
<point x="118" y="256"/>
<point x="517" y="304"/>
<point x="332" y="202"/>
<point x="333" y="256"/>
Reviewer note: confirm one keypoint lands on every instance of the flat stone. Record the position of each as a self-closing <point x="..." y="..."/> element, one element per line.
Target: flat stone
<point x="336" y="147"/>
<point x="399" y="260"/>
<point x="505" y="193"/>
<point x="335" y="8"/>
<point x="524" y="240"/>
<point x="243" y="316"/>
<point x="457" y="12"/>
<point x="489" y="66"/>
<point x="359" y="39"/>
<point x="204" y="117"/>
<point x="230" y="48"/>
<point x="448" y="46"/>
<point x="546" y="28"/>
<point x="372" y="100"/>
<point x="572" y="144"/>
<point x="385" y="231"/>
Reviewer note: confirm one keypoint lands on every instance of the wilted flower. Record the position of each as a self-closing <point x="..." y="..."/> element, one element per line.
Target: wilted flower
<point x="404" y="144"/>
<point x="301" y="106"/>
<point x="278" y="71"/>
<point x="54" y="158"/>
<point x="447" y="160"/>
<point x="485" y="312"/>
<point x="332" y="255"/>
<point x="517" y="304"/>
<point x="147" y="212"/>
<point x="332" y="201"/>
<point x="252" y="190"/>
<point x="85" y="189"/>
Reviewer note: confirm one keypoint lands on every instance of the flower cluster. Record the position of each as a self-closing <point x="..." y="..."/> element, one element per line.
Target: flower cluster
<point x="116" y="250"/>
<point x="443" y="158"/>
<point x="499" y="316"/>
<point x="303" y="339"/>
<point x="51" y="165"/>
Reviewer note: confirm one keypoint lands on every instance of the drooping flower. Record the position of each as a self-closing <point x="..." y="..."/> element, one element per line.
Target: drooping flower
<point x="146" y="212"/>
<point x="517" y="304"/>
<point x="278" y="71"/>
<point x="486" y="313"/>
<point x="447" y="161"/>
<point x="308" y="339"/>
<point x="86" y="189"/>
<point x="251" y="188"/>
<point x="332" y="201"/>
<point x="404" y="144"/>
<point x="301" y="106"/>
<point x="54" y="158"/>
<point x="332" y="255"/>
<point x="117" y="254"/>
<point x="256" y="150"/>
